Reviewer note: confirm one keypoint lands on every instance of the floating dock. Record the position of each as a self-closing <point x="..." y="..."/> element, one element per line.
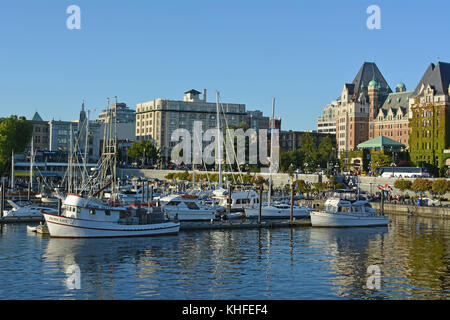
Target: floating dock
<point x="243" y="224"/>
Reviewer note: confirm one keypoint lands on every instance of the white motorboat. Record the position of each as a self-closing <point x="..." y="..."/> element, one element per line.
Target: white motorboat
<point x="23" y="209"/>
<point x="277" y="211"/>
<point x="239" y="199"/>
<point x="92" y="218"/>
<point x="345" y="213"/>
<point x="190" y="208"/>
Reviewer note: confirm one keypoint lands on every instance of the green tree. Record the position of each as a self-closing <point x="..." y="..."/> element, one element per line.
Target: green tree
<point x="296" y="158"/>
<point x="308" y="147"/>
<point x="380" y="159"/>
<point x="403" y="184"/>
<point x="302" y="186"/>
<point x="144" y="150"/>
<point x="15" y="134"/>
<point x="325" y="150"/>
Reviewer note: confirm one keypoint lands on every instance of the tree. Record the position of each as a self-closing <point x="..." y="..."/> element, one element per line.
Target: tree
<point x="308" y="147"/>
<point x="15" y="134"/>
<point x="380" y="159"/>
<point x="302" y="186"/>
<point x="440" y="186"/>
<point x="422" y="185"/>
<point x="145" y="150"/>
<point x="296" y="158"/>
<point x="403" y="184"/>
<point x="258" y="180"/>
<point x="325" y="150"/>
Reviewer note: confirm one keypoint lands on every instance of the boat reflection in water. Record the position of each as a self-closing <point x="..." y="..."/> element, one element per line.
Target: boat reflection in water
<point x="349" y="252"/>
<point x="413" y="256"/>
<point x="106" y="265"/>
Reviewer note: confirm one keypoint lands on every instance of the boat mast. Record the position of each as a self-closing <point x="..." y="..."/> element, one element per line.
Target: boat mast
<point x="271" y="126"/>
<point x="69" y="187"/>
<point x="12" y="170"/>
<point x="31" y="164"/>
<point x="86" y="145"/>
<point x="219" y="154"/>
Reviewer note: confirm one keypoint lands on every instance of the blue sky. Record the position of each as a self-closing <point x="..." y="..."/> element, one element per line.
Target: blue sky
<point x="300" y="52"/>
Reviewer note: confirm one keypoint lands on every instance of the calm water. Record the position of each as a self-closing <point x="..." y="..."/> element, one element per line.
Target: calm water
<point x="413" y="255"/>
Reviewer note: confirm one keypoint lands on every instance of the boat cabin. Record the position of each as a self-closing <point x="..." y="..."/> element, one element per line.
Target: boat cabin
<point x="349" y="207"/>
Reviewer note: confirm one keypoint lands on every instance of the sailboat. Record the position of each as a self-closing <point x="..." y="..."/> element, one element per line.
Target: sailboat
<point x="86" y="215"/>
<point x="275" y="210"/>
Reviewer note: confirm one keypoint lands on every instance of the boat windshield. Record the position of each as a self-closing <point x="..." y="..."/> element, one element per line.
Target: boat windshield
<point x="192" y="206"/>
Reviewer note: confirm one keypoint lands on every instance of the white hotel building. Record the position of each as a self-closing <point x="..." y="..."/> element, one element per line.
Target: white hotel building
<point x="157" y="119"/>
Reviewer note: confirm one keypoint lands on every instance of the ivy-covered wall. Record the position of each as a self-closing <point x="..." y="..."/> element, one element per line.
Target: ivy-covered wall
<point x="429" y="135"/>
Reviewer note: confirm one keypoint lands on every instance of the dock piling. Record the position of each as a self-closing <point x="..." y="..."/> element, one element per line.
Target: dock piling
<point x="292" y="202"/>
<point x="260" y="203"/>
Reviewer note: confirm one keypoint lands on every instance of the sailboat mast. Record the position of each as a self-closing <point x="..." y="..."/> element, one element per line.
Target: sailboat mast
<point x="272" y="125"/>
<point x="69" y="189"/>
<point x="12" y="170"/>
<point x="31" y="164"/>
<point x="219" y="146"/>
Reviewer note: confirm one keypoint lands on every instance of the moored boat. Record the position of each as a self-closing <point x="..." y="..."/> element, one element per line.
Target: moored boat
<point x="91" y="218"/>
<point x="190" y="208"/>
<point x="277" y="211"/>
<point x="345" y="213"/>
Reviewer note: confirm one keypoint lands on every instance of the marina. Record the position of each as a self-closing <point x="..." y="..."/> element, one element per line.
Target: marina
<point x="271" y="263"/>
<point x="201" y="151"/>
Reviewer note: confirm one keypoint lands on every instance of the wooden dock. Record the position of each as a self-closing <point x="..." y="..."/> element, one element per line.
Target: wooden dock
<point x="243" y="224"/>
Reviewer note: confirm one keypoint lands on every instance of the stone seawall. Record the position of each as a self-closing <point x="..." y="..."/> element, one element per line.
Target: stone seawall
<point x="279" y="179"/>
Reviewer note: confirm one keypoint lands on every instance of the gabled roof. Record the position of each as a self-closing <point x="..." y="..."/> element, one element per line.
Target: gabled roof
<point x="380" y="142"/>
<point x="36" y="117"/>
<point x="437" y="76"/>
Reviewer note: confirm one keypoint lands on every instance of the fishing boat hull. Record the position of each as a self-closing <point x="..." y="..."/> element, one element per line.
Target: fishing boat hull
<point x="66" y="227"/>
<point x="323" y="219"/>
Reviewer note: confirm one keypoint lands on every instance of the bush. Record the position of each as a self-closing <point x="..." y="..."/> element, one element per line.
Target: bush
<point x="403" y="184"/>
<point x="422" y="185"/>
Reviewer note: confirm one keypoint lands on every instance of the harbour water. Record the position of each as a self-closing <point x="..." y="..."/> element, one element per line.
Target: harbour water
<point x="413" y="255"/>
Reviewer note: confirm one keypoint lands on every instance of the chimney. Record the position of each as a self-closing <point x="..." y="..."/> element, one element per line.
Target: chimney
<point x="204" y="95"/>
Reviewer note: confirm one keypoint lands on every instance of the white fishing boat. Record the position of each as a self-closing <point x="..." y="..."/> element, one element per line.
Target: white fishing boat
<point x="91" y="218"/>
<point x="345" y="213"/>
<point x="190" y="208"/>
<point x="88" y="216"/>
